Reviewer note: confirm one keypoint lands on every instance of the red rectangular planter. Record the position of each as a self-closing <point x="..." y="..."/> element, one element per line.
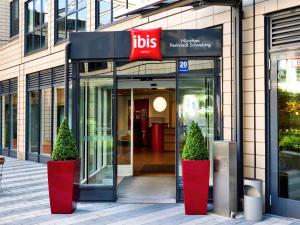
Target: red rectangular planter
<point x="63" y="184"/>
<point x="195" y="186"/>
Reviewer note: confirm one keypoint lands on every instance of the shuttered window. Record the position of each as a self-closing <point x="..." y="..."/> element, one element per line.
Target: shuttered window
<point x="9" y="86"/>
<point x="285" y="29"/>
<point x="47" y="78"/>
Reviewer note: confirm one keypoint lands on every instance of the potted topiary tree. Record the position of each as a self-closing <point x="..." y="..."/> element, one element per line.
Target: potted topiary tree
<point x="64" y="172"/>
<point x="195" y="172"/>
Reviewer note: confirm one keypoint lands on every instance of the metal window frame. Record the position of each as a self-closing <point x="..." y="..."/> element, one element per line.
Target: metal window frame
<point x="8" y="151"/>
<point x="12" y="25"/>
<point x="39" y="28"/>
<point x="65" y="18"/>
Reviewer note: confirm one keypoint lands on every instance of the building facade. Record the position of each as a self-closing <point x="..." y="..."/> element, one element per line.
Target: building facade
<point x="252" y="84"/>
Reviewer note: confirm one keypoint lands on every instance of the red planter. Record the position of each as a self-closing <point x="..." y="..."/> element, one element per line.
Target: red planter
<point x="63" y="184"/>
<point x="195" y="186"/>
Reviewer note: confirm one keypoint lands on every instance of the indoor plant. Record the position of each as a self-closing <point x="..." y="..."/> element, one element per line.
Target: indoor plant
<point x="195" y="172"/>
<point x="64" y="172"/>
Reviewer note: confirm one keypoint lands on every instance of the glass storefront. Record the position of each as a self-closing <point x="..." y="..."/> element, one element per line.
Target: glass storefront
<point x="45" y="107"/>
<point x="100" y="138"/>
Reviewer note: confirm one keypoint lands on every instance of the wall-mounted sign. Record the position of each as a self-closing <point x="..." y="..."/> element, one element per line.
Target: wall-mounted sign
<point x="183" y="66"/>
<point x="145" y="44"/>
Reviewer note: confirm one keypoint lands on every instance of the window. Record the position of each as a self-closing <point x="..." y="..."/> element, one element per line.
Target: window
<point x="14" y="18"/>
<point x="36" y="24"/>
<point x="9" y="105"/>
<point x="71" y="16"/>
<point x="46" y="104"/>
<point x="107" y="9"/>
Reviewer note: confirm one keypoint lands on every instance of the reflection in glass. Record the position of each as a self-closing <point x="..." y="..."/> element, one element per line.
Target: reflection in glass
<point x="44" y="36"/>
<point x="288" y="97"/>
<point x="118" y="7"/>
<point x="96" y="146"/>
<point x="146" y="67"/>
<point x="81" y="21"/>
<point x="71" y="23"/>
<point x="104" y="10"/>
<point x="196" y="103"/>
<point x="14" y="122"/>
<point x="37" y="13"/>
<point x="95" y="68"/>
<point x="45" y="11"/>
<point x="61" y="8"/>
<point x="33" y="121"/>
<point x="61" y="29"/>
<point x="30" y="16"/>
<point x="46" y="121"/>
<point x="5" y="122"/>
<point x="58" y="110"/>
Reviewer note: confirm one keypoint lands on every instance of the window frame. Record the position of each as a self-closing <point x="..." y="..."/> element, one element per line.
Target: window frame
<point x="39" y="28"/>
<point x="65" y="19"/>
<point x="97" y="12"/>
<point x="14" y="27"/>
<point x="10" y="92"/>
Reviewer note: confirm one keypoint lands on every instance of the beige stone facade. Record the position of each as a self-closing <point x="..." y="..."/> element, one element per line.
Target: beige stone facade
<point x="15" y="63"/>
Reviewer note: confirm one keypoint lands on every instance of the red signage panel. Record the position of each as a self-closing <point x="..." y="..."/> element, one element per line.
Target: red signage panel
<point x="145" y="44"/>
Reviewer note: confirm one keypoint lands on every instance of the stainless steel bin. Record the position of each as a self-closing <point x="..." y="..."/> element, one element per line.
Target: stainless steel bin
<point x="225" y="178"/>
<point x="253" y="200"/>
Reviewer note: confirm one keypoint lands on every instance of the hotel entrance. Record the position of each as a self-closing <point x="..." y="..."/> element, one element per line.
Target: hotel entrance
<point x="133" y="121"/>
<point x="146" y="141"/>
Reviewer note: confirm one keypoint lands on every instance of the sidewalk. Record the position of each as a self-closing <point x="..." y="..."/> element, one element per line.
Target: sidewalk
<point x="24" y="200"/>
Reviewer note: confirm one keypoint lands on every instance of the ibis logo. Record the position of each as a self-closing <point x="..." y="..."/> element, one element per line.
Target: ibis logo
<point x="145" y="44"/>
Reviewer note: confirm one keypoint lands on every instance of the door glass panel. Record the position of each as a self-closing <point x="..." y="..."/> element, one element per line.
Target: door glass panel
<point x="5" y="122"/>
<point x="96" y="130"/>
<point x="33" y="123"/>
<point x="46" y="98"/>
<point x="14" y="122"/>
<point x="196" y="103"/>
<point x="288" y="98"/>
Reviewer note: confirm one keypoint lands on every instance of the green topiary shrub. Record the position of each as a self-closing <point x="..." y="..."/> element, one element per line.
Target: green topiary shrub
<point x="65" y="148"/>
<point x="195" y="145"/>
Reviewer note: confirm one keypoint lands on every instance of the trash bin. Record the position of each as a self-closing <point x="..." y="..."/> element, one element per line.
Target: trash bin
<point x="225" y="178"/>
<point x="253" y="200"/>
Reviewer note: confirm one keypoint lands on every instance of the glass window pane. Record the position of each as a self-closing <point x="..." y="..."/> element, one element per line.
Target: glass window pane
<point x="104" y="9"/>
<point x="29" y="16"/>
<point x="118" y="7"/>
<point x="44" y="36"/>
<point x="14" y="17"/>
<point x="71" y="23"/>
<point x="14" y="122"/>
<point x="81" y="4"/>
<point x="71" y="5"/>
<point x="29" y="42"/>
<point x="196" y="103"/>
<point x="288" y="97"/>
<point x="33" y="122"/>
<point x="46" y="121"/>
<point x="37" y="39"/>
<point x="135" y="3"/>
<point x="96" y="125"/>
<point x="5" y="122"/>
<point x="61" y="29"/>
<point x="166" y="67"/>
<point x="37" y="13"/>
<point x="58" y="110"/>
<point x="61" y="8"/>
<point x="81" y="21"/>
<point x="96" y="68"/>
<point x="45" y="11"/>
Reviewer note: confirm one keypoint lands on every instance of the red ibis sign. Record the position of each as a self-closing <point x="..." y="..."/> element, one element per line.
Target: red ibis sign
<point x="145" y="44"/>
